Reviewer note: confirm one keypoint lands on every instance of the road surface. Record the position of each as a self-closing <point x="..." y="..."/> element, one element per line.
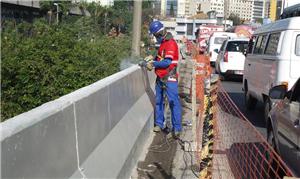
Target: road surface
<point x="256" y="117"/>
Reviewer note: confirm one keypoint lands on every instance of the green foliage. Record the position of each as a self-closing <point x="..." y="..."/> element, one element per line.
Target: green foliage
<point x="42" y="62"/>
<point x="259" y="20"/>
<point x="235" y="19"/>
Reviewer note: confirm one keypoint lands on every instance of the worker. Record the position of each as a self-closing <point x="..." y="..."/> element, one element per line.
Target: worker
<point x="165" y="64"/>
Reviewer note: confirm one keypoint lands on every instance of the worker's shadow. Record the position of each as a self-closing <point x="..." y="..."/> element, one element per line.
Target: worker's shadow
<point x="162" y="171"/>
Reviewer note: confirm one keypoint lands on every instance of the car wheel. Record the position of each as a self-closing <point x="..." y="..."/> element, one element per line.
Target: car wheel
<point x="270" y="157"/>
<point x="267" y="106"/>
<point x="250" y="102"/>
<point x="222" y="76"/>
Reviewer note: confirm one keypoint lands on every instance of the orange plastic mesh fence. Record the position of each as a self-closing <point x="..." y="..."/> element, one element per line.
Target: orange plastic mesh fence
<point x="239" y="150"/>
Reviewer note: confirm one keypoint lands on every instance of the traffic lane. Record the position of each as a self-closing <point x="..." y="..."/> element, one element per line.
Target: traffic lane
<point x="234" y="88"/>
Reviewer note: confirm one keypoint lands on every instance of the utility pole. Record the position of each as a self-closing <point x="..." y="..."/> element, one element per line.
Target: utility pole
<point x="137" y="23"/>
<point x="105" y="21"/>
<point x="56" y="4"/>
<point x="225" y="12"/>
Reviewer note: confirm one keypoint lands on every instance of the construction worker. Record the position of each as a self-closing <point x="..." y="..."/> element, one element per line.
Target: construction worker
<point x="165" y="64"/>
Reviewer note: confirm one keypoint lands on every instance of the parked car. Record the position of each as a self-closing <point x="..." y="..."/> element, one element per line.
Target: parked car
<point x="283" y="125"/>
<point x="214" y="44"/>
<point x="230" y="60"/>
<point x="273" y="58"/>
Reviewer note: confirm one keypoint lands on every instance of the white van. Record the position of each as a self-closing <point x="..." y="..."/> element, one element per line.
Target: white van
<point x="214" y="43"/>
<point x="273" y="58"/>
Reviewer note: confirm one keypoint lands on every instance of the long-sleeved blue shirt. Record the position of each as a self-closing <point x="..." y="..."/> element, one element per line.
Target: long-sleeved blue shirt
<point x="163" y="63"/>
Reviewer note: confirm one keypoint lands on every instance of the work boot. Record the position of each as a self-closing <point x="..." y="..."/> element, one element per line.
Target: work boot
<point x="156" y="129"/>
<point x="175" y="135"/>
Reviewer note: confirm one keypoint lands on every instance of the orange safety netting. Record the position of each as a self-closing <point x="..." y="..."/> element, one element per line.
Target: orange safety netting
<point x="239" y="150"/>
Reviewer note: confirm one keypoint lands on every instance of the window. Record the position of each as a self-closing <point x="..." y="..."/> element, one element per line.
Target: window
<point x="297" y="48"/>
<point x="296" y="92"/>
<point x="260" y="44"/>
<point x="251" y="44"/>
<point x="189" y="29"/>
<point x="272" y="44"/>
<point x="223" y="46"/>
<point x="237" y="46"/>
<point x="219" y="40"/>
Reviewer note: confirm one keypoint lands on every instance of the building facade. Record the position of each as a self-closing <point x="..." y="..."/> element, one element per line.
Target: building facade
<point x="258" y="11"/>
<point x="101" y="2"/>
<point x="185" y="27"/>
<point x="26" y="10"/>
<point x="241" y="8"/>
<point x="181" y="8"/>
<point x="247" y="10"/>
<point x="211" y="5"/>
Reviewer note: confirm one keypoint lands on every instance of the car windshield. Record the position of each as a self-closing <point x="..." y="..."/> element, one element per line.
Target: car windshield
<point x="237" y="46"/>
<point x="219" y="40"/>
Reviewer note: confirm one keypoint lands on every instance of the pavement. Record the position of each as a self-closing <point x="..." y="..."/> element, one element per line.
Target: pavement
<point x="233" y="87"/>
<point x="170" y="158"/>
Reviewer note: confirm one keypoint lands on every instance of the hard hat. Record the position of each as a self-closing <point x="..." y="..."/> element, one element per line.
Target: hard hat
<point x="155" y="27"/>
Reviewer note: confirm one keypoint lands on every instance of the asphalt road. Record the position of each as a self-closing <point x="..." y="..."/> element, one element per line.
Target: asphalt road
<point x="234" y="89"/>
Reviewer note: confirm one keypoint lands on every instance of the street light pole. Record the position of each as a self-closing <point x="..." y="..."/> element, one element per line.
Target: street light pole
<point x="56" y="4"/>
<point x="136" y="33"/>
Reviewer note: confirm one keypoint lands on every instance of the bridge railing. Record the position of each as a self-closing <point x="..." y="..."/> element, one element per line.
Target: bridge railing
<point x="97" y="131"/>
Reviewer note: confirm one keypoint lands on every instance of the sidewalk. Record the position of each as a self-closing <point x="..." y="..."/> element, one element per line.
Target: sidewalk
<point x="167" y="158"/>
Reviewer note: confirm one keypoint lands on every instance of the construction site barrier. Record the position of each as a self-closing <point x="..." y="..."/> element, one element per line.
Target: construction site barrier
<point x="239" y="150"/>
<point x="95" y="132"/>
<point x="228" y="145"/>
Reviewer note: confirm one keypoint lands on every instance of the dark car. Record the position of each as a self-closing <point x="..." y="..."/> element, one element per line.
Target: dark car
<point x="284" y="126"/>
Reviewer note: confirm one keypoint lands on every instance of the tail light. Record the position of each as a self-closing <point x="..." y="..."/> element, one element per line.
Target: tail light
<point x="226" y="57"/>
<point x="210" y="54"/>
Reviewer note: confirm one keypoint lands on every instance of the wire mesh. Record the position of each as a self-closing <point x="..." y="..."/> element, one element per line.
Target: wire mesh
<point x="239" y="150"/>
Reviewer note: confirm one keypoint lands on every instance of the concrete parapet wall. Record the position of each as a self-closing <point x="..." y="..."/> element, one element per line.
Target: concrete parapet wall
<point x="94" y="132"/>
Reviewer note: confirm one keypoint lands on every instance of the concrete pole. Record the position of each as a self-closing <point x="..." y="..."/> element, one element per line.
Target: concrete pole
<point x="136" y="32"/>
<point x="225" y="12"/>
<point x="56" y="4"/>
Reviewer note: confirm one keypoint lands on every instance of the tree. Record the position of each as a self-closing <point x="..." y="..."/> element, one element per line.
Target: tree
<point x="235" y="19"/>
<point x="259" y="20"/>
<point x="49" y="7"/>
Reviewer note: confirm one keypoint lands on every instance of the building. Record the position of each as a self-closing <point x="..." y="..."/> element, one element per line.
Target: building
<point x="101" y="2"/>
<point x="258" y="11"/>
<point x="218" y="6"/>
<point x="181" y="8"/>
<point x="171" y="8"/>
<point x="163" y="8"/>
<point x="266" y="8"/>
<point x="277" y="6"/>
<point x="188" y="27"/>
<point x="25" y="10"/>
<point x="242" y="8"/>
<point x="28" y="10"/>
<point x="181" y="11"/>
<point x="211" y="5"/>
<point x="170" y="26"/>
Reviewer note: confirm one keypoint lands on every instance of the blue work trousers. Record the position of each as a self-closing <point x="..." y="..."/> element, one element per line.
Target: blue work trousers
<point x="171" y="90"/>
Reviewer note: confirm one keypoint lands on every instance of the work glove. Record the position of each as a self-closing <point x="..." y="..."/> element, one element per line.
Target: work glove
<point x="149" y="58"/>
<point x="149" y="65"/>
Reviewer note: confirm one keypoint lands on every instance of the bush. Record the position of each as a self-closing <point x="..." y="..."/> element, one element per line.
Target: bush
<point x="41" y="62"/>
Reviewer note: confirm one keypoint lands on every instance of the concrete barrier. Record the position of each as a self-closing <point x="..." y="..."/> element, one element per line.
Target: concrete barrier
<point x="95" y="132"/>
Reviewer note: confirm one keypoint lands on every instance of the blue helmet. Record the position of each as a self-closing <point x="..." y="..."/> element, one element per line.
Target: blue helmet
<point x="155" y="27"/>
